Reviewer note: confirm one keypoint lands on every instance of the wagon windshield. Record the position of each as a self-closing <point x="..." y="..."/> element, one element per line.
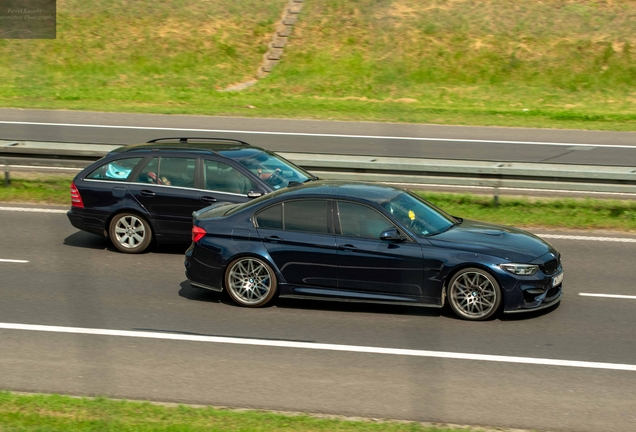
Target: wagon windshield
<point x="274" y="170"/>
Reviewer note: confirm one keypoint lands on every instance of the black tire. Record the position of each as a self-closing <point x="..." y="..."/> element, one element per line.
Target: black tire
<point x="474" y="294"/>
<point x="250" y="282"/>
<point x="130" y="233"/>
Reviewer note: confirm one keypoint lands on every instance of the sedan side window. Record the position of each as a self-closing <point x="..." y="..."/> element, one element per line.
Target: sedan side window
<point x="117" y="170"/>
<point x="225" y="178"/>
<point x="306" y="216"/>
<point x="361" y="221"/>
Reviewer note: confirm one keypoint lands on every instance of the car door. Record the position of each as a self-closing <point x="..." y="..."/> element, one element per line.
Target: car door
<point x="372" y="267"/>
<point x="298" y="236"/>
<point x="104" y="188"/>
<point x="165" y="187"/>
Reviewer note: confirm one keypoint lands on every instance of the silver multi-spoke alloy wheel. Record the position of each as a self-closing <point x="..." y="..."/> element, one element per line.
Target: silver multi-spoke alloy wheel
<point x="474" y="294"/>
<point x="130" y="233"/>
<point x="250" y="282"/>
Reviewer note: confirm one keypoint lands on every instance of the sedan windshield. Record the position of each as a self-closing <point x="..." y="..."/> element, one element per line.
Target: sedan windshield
<point x="274" y="170"/>
<point x="421" y="217"/>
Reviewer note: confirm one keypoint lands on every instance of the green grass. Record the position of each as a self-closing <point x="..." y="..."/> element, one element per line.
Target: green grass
<point x="547" y="212"/>
<point x="475" y="62"/>
<point x="521" y="212"/>
<point x="44" y="189"/>
<point x="54" y="413"/>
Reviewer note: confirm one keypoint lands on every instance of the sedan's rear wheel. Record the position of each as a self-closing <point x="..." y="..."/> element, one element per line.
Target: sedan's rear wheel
<point x="250" y="282"/>
<point x="130" y="233"/>
<point x="474" y="294"/>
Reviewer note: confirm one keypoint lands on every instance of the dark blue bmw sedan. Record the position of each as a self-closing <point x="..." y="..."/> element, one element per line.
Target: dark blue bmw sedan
<point x="362" y="242"/>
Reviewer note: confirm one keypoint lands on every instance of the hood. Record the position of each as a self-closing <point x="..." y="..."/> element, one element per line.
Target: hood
<point x="505" y="242"/>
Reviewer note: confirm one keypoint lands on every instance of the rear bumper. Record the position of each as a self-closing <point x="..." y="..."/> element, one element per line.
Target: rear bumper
<point x="89" y="221"/>
<point x="203" y="269"/>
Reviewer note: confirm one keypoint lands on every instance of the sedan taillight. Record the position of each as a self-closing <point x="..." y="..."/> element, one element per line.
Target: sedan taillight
<point x="76" y="198"/>
<point x="197" y="233"/>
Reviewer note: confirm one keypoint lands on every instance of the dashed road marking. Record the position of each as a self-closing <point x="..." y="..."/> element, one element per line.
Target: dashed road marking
<point x="13" y="261"/>
<point x="321" y="346"/>
<point x="614" y="296"/>
<point x="588" y="238"/>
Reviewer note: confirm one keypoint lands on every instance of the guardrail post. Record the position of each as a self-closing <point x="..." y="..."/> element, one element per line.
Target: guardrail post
<point x="7" y="176"/>
<point x="496" y="196"/>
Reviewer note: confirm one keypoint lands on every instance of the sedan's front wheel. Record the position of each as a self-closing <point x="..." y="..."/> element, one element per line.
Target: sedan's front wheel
<point x="474" y="294"/>
<point x="250" y="282"/>
<point x="130" y="233"/>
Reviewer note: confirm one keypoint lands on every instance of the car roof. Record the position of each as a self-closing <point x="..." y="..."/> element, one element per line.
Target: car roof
<point x="338" y="189"/>
<point x="230" y="148"/>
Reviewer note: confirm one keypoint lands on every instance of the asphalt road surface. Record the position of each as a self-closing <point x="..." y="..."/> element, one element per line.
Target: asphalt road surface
<point x="364" y="138"/>
<point x="54" y="275"/>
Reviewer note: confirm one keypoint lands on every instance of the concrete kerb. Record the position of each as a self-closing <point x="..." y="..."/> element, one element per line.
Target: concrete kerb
<point x="275" y="47"/>
<point x="280" y="37"/>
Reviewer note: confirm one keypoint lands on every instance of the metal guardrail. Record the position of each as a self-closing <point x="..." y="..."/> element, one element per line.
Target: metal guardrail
<point x="71" y="157"/>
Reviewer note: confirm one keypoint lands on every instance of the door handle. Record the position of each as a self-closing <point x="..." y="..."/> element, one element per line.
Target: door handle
<point x="147" y="193"/>
<point x="349" y="247"/>
<point x="208" y="199"/>
<point x="274" y="239"/>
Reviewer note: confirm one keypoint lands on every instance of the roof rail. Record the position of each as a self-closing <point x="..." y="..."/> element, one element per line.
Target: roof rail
<point x="184" y="140"/>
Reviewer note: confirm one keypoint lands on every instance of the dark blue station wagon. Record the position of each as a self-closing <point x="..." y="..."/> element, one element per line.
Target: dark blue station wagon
<point x="143" y="193"/>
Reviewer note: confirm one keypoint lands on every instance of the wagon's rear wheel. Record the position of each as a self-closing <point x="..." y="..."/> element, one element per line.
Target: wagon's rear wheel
<point x="130" y="233"/>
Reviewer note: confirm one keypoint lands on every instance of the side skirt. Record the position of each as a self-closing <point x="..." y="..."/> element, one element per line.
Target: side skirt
<point x="348" y="300"/>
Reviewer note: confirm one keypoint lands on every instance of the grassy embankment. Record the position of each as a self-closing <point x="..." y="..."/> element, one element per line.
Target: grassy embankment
<point x="555" y="63"/>
<point x="63" y="414"/>
<point x="522" y="212"/>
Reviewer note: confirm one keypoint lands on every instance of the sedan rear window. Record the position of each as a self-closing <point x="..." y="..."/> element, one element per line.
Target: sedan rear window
<point x="117" y="170"/>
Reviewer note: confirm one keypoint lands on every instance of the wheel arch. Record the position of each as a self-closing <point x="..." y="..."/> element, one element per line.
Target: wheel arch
<point x="463" y="266"/>
<point x="267" y="260"/>
<point x="133" y="211"/>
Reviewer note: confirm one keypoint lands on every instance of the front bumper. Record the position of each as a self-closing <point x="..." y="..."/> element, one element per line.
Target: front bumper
<point x="544" y="305"/>
<point x="526" y="294"/>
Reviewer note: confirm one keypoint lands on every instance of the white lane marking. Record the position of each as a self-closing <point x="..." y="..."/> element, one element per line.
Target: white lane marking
<point x="13" y="261"/>
<point x="321" y="346"/>
<point x="549" y="236"/>
<point x="588" y="238"/>
<point x="319" y="135"/>
<point x="616" y="296"/>
<point x="34" y="210"/>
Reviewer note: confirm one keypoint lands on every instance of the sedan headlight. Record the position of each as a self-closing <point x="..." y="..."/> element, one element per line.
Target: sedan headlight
<point x="520" y="269"/>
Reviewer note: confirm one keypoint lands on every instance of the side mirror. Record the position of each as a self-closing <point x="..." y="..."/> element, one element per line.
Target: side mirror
<point x="391" y="234"/>
<point x="254" y="193"/>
